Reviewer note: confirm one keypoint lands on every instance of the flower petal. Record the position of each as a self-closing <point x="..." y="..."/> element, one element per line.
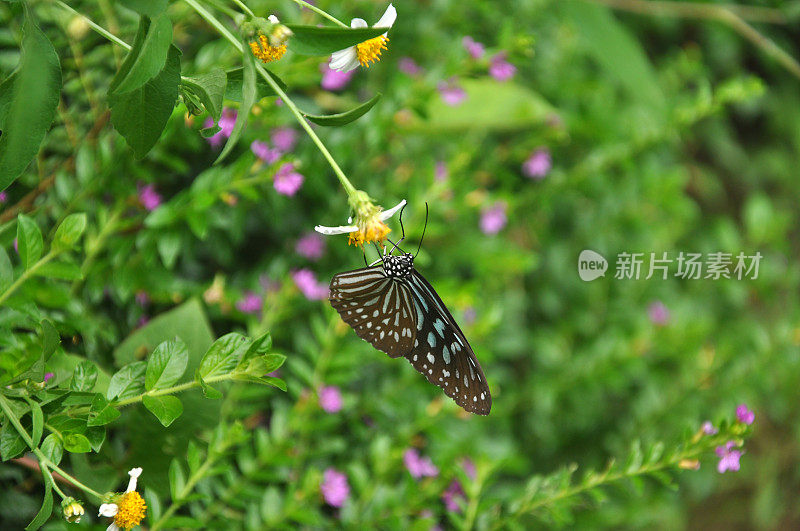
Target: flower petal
<point x="108" y="509"/>
<point x="386" y="214"/>
<point x="329" y="231"/>
<point x="112" y="527"/>
<point x="134" y="473"/>
<point x="273" y="19"/>
<point x="388" y="18"/>
<point x="344" y="60"/>
<point x="358" y="23"/>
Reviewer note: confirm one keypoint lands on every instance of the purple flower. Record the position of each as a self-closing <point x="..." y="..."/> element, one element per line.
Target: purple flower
<point x="226" y="122"/>
<point x="264" y="152"/>
<point x="452" y="495"/>
<point x="470" y="314"/>
<point x="142" y="298"/>
<point x="494" y="218"/>
<point x="469" y="468"/>
<point x="500" y="69"/>
<point x="330" y="399"/>
<point x="744" y="415"/>
<point x="408" y="66"/>
<point x="334" y="487"/>
<point x="250" y="303"/>
<point x="333" y="79"/>
<point x="709" y="428"/>
<point x="143" y="320"/>
<point x="307" y="283"/>
<point x="267" y="284"/>
<point x="474" y="48"/>
<point x="311" y="246"/>
<point x="3" y="197"/>
<point x="418" y="466"/>
<point x="287" y="181"/>
<point x="452" y="93"/>
<point x="284" y="138"/>
<point x="538" y="164"/>
<point x="658" y="313"/>
<point x="47" y="376"/>
<point x="148" y="197"/>
<point x="728" y="457"/>
<point x="16" y="245"/>
<point x="441" y="172"/>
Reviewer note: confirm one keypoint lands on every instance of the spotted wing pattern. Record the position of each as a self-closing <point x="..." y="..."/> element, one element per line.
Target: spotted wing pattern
<point x="442" y="353"/>
<point x="379" y="308"/>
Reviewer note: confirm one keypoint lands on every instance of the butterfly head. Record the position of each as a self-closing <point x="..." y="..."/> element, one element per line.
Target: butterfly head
<point x="398" y="266"/>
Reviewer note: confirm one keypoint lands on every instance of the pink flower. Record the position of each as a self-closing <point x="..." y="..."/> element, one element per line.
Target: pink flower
<point x="47" y="376"/>
<point x="728" y="457"/>
<point x="709" y="428"/>
<point x="474" y="48"/>
<point x="311" y="246"/>
<point x="452" y="495"/>
<point x="419" y="466"/>
<point x="333" y="79"/>
<point x="267" y="284"/>
<point x="538" y="164"/>
<point x="470" y="314"/>
<point x="441" y="173"/>
<point x="148" y="197"/>
<point x="658" y="313"/>
<point x="287" y="180"/>
<point x="494" y="218"/>
<point x="744" y="415"/>
<point x="142" y="298"/>
<point x="3" y="197"/>
<point x="226" y="122"/>
<point x="500" y="69"/>
<point x="250" y="303"/>
<point x="330" y="399"/>
<point x="469" y="468"/>
<point x="264" y="152"/>
<point x="284" y="138"/>
<point x="143" y="320"/>
<point x="16" y="245"/>
<point x="452" y="94"/>
<point x="334" y="487"/>
<point x="307" y="283"/>
<point x="408" y="66"/>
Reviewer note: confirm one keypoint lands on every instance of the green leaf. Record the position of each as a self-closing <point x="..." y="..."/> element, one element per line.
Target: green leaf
<point x="141" y="115"/>
<point x="59" y="270"/>
<point x="248" y="99"/>
<point x="11" y="443"/>
<point x="208" y="391"/>
<point x="70" y="231"/>
<point x="344" y="118"/>
<point x="193" y="457"/>
<point x="166" y="364"/>
<point x="265" y="364"/>
<point x="101" y="412"/>
<point x="313" y="40"/>
<point x="165" y="408"/>
<point x="148" y="59"/>
<point x="233" y="88"/>
<point x="83" y="377"/>
<point x="52" y="448"/>
<point x="177" y="479"/>
<point x="264" y="380"/>
<point x="260" y="346"/>
<point x="29" y="241"/>
<point x="35" y="92"/>
<point x="77" y="443"/>
<point x="6" y="271"/>
<point x="127" y="382"/>
<point x="209" y="89"/>
<point x="150" y="8"/>
<point x="37" y="423"/>
<point x="50" y="339"/>
<point x="223" y="356"/>
<point x="46" y="510"/>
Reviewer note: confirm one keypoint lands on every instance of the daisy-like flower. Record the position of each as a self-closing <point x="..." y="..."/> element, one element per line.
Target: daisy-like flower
<point x="366" y="52"/>
<point x="369" y="223"/>
<point x="127" y="509"/>
<point x="271" y="48"/>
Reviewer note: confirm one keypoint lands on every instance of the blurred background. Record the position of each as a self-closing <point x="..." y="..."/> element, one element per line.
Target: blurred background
<point x="533" y="130"/>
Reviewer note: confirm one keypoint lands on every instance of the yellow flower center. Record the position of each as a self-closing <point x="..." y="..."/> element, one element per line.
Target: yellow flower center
<point x="374" y="230"/>
<point x="370" y="51"/>
<point x="264" y="51"/>
<point x="130" y="510"/>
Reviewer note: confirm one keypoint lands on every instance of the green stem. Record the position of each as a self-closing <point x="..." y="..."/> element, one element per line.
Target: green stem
<point x="99" y="29"/>
<point x="319" y="11"/>
<point x="244" y="7"/>
<point x="95" y="247"/>
<point x="211" y="19"/>
<point x="46" y="472"/>
<point x="27" y="274"/>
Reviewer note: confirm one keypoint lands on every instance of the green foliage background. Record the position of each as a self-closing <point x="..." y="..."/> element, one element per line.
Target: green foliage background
<point x="666" y="135"/>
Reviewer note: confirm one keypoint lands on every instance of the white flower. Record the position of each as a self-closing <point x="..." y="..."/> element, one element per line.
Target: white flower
<point x="347" y="229"/>
<point x="133" y="511"/>
<point x="368" y="51"/>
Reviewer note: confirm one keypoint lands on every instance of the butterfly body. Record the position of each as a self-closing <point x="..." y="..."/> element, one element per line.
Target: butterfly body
<point x="395" y="309"/>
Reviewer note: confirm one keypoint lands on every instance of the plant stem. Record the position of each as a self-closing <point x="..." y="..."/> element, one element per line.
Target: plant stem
<point x="27" y="274"/>
<point x="319" y="11"/>
<point x="211" y="19"/>
<point x="244" y="7"/>
<point x="99" y="29"/>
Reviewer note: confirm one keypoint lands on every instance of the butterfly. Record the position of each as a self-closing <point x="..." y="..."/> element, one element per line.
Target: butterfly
<point x="394" y="308"/>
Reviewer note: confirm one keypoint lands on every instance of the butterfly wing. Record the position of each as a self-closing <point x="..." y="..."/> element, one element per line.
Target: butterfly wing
<point x="442" y="353"/>
<point x="377" y="307"/>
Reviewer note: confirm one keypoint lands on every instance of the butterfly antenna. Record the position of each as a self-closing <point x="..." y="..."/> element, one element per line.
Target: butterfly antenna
<point x="423" y="229"/>
<point x="402" y="229"/>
